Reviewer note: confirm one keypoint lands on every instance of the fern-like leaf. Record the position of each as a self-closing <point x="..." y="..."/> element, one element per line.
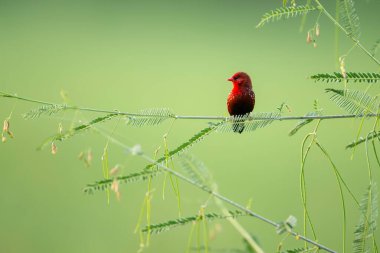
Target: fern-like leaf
<point x="151" y="169"/>
<point x="298" y="250"/>
<point x="76" y="130"/>
<point x="365" y="230"/>
<point x="361" y="140"/>
<point x="45" y="109"/>
<point x="132" y="177"/>
<point x="168" y="225"/>
<point x="349" y="18"/>
<point x="150" y="117"/>
<point x="354" y="102"/>
<point x="248" y="123"/>
<point x="375" y="47"/>
<point x="304" y="122"/>
<point x="184" y="146"/>
<point x="287" y="225"/>
<point x="351" y="77"/>
<point x="196" y="170"/>
<point x="285" y="12"/>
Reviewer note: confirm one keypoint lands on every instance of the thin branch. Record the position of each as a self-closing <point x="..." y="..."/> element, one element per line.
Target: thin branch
<point x="194" y="117"/>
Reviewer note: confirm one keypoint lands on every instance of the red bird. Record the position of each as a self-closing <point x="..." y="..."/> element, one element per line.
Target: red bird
<point x="241" y="99"/>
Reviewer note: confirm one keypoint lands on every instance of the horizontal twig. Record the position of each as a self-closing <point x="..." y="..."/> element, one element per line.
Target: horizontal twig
<point x="193" y="117"/>
<point x="282" y="118"/>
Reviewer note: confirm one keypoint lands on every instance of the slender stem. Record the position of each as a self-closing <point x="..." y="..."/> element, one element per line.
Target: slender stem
<point x="336" y="34"/>
<point x="338" y="178"/>
<point x="302" y="177"/>
<point x="194" y="117"/>
<point x="357" y="42"/>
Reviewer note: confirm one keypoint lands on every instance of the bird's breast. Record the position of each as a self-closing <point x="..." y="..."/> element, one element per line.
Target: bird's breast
<point x="240" y="102"/>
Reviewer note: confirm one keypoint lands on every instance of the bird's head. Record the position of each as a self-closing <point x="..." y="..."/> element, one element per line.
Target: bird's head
<point x="241" y="79"/>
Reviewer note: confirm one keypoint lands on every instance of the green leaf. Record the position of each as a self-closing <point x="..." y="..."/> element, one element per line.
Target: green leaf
<point x="248" y="123"/>
<point x="76" y="130"/>
<point x="287" y="225"/>
<point x="355" y="102"/>
<point x="351" y="77"/>
<point x="168" y="225"/>
<point x="196" y="170"/>
<point x="365" y="230"/>
<point x="285" y="12"/>
<point x="303" y="122"/>
<point x="150" y="117"/>
<point x="375" y="47"/>
<point x="349" y="18"/>
<point x="298" y="250"/>
<point x="104" y="184"/>
<point x="45" y="109"/>
<point x="361" y="140"/>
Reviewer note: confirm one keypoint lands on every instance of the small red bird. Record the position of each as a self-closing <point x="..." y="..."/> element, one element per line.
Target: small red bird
<point x="241" y="99"/>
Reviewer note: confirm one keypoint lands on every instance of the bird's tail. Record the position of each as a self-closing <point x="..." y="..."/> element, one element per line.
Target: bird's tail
<point x="238" y="126"/>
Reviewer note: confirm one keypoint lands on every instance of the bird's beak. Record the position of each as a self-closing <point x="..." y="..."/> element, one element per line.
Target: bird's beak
<point x="230" y="79"/>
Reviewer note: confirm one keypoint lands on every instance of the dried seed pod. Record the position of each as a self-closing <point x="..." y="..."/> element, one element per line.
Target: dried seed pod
<point x="317" y="30"/>
<point x="6" y="125"/>
<point x="89" y="157"/>
<point x="115" y="188"/>
<point x="308" y="38"/>
<point x="10" y="134"/>
<point x="343" y="71"/>
<point x="215" y="231"/>
<point x="53" y="148"/>
<point x="81" y="155"/>
<point x="60" y="128"/>
<point x="343" y="67"/>
<point x="3" y="138"/>
<point x="114" y="170"/>
<point x="315" y="44"/>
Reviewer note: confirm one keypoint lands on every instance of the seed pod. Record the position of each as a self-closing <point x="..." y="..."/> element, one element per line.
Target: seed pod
<point x="89" y="157"/>
<point x="60" y="128"/>
<point x="6" y="126"/>
<point x="317" y="30"/>
<point x="81" y="155"/>
<point x="308" y="38"/>
<point x="3" y="138"/>
<point x="315" y="44"/>
<point x="115" y="188"/>
<point x="343" y="71"/>
<point x="10" y="134"/>
<point x="114" y="170"/>
<point x="53" y="148"/>
<point x="343" y="67"/>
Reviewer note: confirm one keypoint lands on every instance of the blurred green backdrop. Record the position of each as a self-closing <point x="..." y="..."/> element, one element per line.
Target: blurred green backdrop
<point x="131" y="55"/>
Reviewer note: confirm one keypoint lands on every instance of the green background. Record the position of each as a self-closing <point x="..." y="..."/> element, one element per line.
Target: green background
<point x="131" y="55"/>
